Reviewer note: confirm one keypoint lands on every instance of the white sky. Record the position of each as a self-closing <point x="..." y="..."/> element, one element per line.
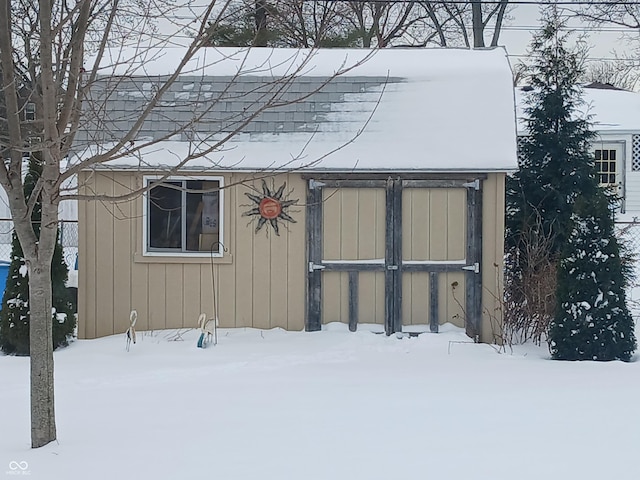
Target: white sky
<point x="516" y="35"/>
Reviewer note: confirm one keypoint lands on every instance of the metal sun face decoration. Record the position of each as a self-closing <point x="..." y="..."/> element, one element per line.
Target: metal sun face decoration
<point x="271" y="207"/>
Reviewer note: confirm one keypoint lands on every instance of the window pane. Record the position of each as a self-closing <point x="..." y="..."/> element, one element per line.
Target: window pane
<point x="598" y="154"/>
<point x="30" y="111"/>
<point x="612" y="178"/>
<point x="605" y="154"/>
<point x="203" y="216"/>
<point x="612" y="167"/>
<point x="612" y="155"/>
<point x="165" y="216"/>
<point x="604" y="167"/>
<point x="194" y="215"/>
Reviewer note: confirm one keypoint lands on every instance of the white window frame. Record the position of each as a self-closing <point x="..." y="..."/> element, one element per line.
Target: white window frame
<point x="621" y="147"/>
<point x="30" y="111"/>
<point x="146" y="179"/>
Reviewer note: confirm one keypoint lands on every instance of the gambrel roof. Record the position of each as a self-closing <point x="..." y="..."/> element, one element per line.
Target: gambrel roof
<point x="389" y="109"/>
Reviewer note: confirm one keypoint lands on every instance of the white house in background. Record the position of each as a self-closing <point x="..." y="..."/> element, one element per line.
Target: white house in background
<point x="615" y="115"/>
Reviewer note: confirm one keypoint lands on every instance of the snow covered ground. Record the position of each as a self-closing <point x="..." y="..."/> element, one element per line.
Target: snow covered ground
<point x="325" y="405"/>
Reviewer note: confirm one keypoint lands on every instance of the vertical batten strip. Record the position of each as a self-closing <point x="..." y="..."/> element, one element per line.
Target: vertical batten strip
<point x="314" y="255"/>
<point x="433" y="302"/>
<point x="389" y="256"/>
<point x="473" y="283"/>
<point x="353" y="301"/>
<point x="397" y="256"/>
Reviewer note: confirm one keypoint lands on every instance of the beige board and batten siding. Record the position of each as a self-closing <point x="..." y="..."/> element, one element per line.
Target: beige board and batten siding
<point x="260" y="281"/>
<point x="353" y="229"/>
<point x="434" y="228"/>
<point x="493" y="211"/>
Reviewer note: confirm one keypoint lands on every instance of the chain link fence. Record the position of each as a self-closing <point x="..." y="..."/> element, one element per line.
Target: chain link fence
<point x="68" y="239"/>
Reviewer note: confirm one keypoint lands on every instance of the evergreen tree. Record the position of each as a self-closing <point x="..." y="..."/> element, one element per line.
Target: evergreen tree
<point x="592" y="321"/>
<point x="14" y="315"/>
<point x="556" y="164"/>
<point x="554" y="200"/>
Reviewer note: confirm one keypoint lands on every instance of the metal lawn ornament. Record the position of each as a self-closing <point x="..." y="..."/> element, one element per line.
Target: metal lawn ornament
<point x="131" y="331"/>
<point x="207" y="330"/>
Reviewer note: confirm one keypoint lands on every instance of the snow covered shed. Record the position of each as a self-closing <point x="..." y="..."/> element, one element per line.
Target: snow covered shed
<point x="375" y="196"/>
<point x="615" y="115"/>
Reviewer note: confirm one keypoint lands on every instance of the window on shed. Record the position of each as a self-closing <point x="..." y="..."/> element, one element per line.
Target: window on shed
<point x="183" y="216"/>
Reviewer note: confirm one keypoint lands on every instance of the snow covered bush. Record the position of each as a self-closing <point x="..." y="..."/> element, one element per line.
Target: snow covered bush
<point x="592" y="321"/>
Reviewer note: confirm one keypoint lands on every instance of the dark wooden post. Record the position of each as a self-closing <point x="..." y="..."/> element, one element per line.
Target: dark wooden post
<point x="353" y="301"/>
<point x="314" y="256"/>
<point x="393" y="257"/>
<point x="389" y="257"/>
<point x="473" y="301"/>
<point x="433" y="302"/>
<point x="397" y="256"/>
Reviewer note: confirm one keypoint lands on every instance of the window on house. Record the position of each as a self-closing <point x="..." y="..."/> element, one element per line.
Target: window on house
<point x="183" y="216"/>
<point x="606" y="166"/>
<point x="30" y="111"/>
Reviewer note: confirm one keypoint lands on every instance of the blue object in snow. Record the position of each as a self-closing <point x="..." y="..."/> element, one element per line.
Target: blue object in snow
<point x="4" y="273"/>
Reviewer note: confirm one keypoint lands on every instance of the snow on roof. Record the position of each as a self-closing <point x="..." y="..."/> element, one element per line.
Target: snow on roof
<point x="218" y="61"/>
<point x="609" y="110"/>
<point x="442" y="110"/>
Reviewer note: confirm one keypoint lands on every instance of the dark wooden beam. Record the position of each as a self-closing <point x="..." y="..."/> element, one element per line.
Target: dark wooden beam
<point x="433" y="267"/>
<point x="359" y="175"/>
<point x="473" y="283"/>
<point x="440" y="183"/>
<point x="389" y="310"/>
<point x="397" y="256"/>
<point x="353" y="267"/>
<point x="351" y="183"/>
<point x="433" y="302"/>
<point x="353" y="301"/>
<point x="314" y="256"/>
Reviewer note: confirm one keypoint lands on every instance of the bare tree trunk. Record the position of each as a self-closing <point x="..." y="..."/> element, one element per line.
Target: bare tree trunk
<point x="40" y="253"/>
<point x="261" y="24"/>
<point x="43" y="422"/>
<point x="478" y="27"/>
<point x="502" y="8"/>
